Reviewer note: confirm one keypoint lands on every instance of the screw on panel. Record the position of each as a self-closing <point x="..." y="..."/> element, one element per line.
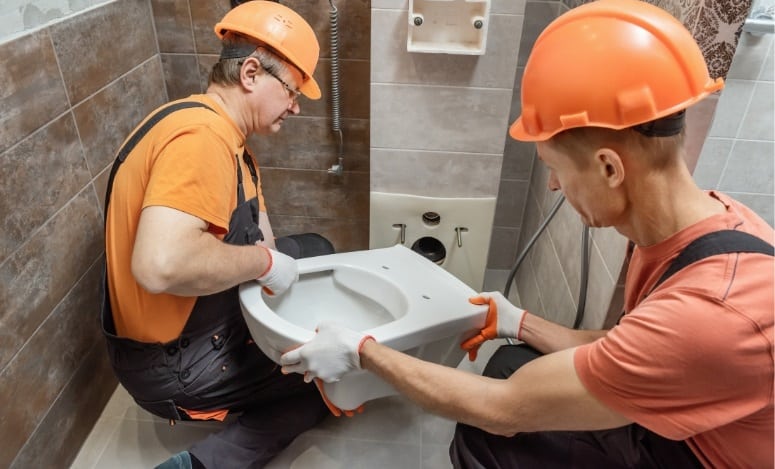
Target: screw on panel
<point x="478" y="24"/>
<point x="417" y="21"/>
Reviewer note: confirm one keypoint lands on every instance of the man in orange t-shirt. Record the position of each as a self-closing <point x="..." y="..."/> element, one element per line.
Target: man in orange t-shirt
<point x="186" y="224"/>
<point x="686" y="377"/>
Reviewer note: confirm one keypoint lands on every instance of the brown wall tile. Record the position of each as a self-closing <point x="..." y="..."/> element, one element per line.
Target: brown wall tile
<point x="39" y="274"/>
<point x="67" y="424"/>
<point x="354" y="87"/>
<point x="346" y="234"/>
<point x="173" y="26"/>
<point x="32" y="89"/>
<point x="354" y="25"/>
<point x="39" y="176"/>
<point x="204" y="16"/>
<point x="315" y="193"/>
<point x="64" y="338"/>
<point x="100" y="45"/>
<point x="126" y="101"/>
<point x="181" y="75"/>
<point x="309" y="143"/>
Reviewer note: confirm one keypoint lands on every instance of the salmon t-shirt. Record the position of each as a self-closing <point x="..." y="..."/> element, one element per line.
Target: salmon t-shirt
<point x="187" y="161"/>
<point x="694" y="360"/>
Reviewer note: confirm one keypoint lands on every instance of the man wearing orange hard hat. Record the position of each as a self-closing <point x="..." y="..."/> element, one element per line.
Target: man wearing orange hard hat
<point x="685" y="379"/>
<point x="185" y="224"/>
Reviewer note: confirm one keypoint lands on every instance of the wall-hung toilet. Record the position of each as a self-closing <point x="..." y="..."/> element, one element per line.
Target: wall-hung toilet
<point x="394" y="294"/>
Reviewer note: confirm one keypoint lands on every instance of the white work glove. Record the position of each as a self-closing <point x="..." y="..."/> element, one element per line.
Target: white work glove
<point x="332" y="353"/>
<point x="504" y="320"/>
<point x="281" y="273"/>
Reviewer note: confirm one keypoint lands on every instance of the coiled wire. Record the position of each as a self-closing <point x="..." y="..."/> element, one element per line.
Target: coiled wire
<point x="335" y="106"/>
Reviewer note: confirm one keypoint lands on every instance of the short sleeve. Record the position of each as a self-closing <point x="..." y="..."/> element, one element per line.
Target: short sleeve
<point x="679" y="364"/>
<point x="195" y="173"/>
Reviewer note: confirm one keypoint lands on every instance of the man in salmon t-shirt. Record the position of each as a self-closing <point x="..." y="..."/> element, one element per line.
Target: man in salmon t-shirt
<point x="686" y="377"/>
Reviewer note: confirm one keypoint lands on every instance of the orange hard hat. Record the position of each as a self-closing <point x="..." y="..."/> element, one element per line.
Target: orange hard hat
<point x="283" y="30"/>
<point x="613" y="64"/>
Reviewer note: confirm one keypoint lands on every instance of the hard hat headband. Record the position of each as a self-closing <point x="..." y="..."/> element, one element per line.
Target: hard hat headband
<point x="663" y="127"/>
<point x="237" y="51"/>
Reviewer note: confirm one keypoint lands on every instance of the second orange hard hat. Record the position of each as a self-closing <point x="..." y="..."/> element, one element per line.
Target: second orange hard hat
<point x="283" y="30"/>
<point x="613" y="64"/>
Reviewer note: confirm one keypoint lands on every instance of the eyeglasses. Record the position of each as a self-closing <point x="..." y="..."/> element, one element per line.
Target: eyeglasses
<point x="293" y="94"/>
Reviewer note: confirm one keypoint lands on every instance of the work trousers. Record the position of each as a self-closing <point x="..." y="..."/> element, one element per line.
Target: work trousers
<point x="631" y="446"/>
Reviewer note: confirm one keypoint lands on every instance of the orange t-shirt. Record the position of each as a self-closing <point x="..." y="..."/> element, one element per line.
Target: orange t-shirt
<point x="694" y="360"/>
<point x="187" y="161"/>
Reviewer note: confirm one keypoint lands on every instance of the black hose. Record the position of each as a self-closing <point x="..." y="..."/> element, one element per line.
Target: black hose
<point x="584" y="278"/>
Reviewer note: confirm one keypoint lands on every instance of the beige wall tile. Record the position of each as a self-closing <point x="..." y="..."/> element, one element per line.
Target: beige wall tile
<point x="434" y="174"/>
<point x="438" y="118"/>
<point x="494" y="69"/>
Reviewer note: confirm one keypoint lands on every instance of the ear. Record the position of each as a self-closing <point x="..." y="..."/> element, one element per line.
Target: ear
<point x="250" y="69"/>
<point x="610" y="165"/>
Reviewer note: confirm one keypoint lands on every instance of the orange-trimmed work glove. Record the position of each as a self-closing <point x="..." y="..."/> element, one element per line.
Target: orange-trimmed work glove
<point x="280" y="274"/>
<point x="331" y="406"/>
<point x="333" y="352"/>
<point x="504" y="320"/>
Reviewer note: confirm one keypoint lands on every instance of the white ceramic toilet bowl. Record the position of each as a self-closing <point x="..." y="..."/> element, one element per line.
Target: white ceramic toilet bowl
<point x="394" y="294"/>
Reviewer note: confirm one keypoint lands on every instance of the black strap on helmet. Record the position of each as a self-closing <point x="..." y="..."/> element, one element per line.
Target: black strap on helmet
<point x="664" y="126"/>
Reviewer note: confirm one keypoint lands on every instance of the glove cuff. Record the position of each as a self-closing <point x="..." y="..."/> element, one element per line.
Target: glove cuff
<point x="271" y="260"/>
<point x="519" y="327"/>
<point x="358" y="349"/>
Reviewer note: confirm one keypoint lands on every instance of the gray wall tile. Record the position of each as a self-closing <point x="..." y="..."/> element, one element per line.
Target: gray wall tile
<point x="734" y="102"/>
<point x="438" y="118"/>
<point x="749" y="168"/>
<point x="762" y="204"/>
<point x="503" y="248"/>
<point x="750" y="56"/>
<point x="434" y="174"/>
<point x="117" y="37"/>
<point x="33" y="92"/>
<point x="759" y="122"/>
<point x="713" y="159"/>
<point x="512" y="195"/>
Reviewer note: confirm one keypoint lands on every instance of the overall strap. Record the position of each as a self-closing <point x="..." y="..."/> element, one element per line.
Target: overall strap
<point x="717" y="242"/>
<point x="138" y="135"/>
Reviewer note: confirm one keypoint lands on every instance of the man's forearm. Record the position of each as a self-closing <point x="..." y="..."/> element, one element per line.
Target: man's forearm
<point x="547" y="337"/>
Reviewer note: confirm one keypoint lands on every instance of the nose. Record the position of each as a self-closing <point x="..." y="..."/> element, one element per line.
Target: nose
<point x="553" y="184"/>
<point x="294" y="107"/>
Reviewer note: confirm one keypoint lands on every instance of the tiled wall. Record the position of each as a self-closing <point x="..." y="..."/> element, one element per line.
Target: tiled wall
<point x="301" y="195"/>
<point x="20" y="16"/>
<point x="738" y="155"/>
<point x="438" y="121"/>
<point x="548" y="280"/>
<point x="71" y="93"/>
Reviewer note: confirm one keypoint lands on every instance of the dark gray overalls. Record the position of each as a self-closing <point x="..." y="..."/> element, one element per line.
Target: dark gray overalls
<point x="215" y="364"/>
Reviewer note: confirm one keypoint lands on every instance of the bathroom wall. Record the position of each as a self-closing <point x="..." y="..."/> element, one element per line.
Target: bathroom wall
<point x="738" y="155"/>
<point x="439" y="121"/>
<point x="549" y="278"/>
<point x="72" y="90"/>
<point x="20" y="16"/>
<point x="301" y="195"/>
